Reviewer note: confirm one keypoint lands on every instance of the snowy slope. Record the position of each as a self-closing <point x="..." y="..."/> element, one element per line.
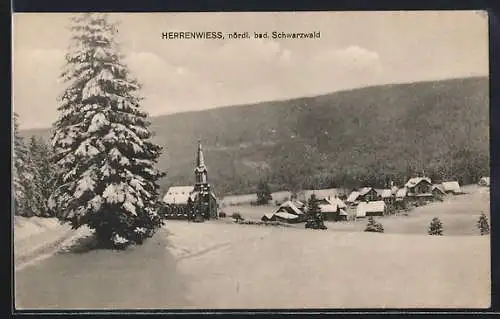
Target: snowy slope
<point x="243" y="266"/>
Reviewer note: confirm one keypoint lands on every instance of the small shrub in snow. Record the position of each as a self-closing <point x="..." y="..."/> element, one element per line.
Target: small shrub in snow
<point x="374" y="226"/>
<point x="482" y="224"/>
<point x="222" y="215"/>
<point x="436" y="227"/>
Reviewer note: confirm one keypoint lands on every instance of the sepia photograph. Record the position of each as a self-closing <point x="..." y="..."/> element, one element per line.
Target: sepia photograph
<point x="251" y="160"/>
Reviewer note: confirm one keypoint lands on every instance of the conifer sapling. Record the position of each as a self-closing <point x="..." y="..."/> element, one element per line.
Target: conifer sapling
<point x="436" y="227"/>
<point x="483" y="225"/>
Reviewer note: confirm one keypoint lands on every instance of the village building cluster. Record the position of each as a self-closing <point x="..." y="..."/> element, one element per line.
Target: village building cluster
<point x="198" y="202"/>
<point x="368" y="201"/>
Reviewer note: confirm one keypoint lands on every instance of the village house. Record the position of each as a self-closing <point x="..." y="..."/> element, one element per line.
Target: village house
<point x="484" y="181"/>
<point x="287" y="218"/>
<point x="365" y="194"/>
<point x="452" y="187"/>
<point x="292" y="207"/>
<point x="333" y="209"/>
<point x="367" y="209"/>
<point x="419" y="190"/>
<point x="192" y="202"/>
<point x="289" y="212"/>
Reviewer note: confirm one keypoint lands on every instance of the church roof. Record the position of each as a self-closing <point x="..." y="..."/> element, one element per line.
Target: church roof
<point x="178" y="194"/>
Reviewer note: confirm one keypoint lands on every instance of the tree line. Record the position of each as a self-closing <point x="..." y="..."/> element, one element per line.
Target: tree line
<point x="33" y="175"/>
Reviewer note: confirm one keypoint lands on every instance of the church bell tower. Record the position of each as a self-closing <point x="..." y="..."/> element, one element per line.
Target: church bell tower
<point x="205" y="202"/>
<point x="200" y="171"/>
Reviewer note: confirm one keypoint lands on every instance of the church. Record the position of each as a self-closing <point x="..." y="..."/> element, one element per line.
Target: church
<point x="196" y="202"/>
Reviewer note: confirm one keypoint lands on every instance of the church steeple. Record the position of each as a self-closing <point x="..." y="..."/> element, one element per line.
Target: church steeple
<point x="201" y="170"/>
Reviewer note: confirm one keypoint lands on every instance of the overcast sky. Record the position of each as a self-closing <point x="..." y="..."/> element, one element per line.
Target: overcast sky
<point x="355" y="49"/>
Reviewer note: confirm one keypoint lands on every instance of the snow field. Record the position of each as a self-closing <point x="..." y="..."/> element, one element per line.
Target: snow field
<point x="240" y="266"/>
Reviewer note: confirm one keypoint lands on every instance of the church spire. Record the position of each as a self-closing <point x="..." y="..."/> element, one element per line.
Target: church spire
<point x="200" y="161"/>
<point x="200" y="170"/>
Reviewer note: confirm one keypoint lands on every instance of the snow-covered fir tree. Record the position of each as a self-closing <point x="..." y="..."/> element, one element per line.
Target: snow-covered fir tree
<point x="107" y="178"/>
<point x="42" y="171"/>
<point x="20" y="174"/>
<point x="315" y="216"/>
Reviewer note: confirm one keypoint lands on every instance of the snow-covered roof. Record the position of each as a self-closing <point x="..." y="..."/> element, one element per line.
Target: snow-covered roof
<point x="412" y="182"/>
<point x="289" y="205"/>
<point x="370" y="207"/>
<point x="365" y="190"/>
<point x="353" y="197"/>
<point x="451" y="186"/>
<point x="401" y="192"/>
<point x="343" y="212"/>
<point x="438" y="187"/>
<point x="337" y="201"/>
<point x="386" y="193"/>
<point x="178" y="194"/>
<point x="286" y="215"/>
<point x="269" y="215"/>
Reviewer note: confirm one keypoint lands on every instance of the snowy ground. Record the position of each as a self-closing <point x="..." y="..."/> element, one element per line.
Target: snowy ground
<point x="246" y="266"/>
<point x="34" y="236"/>
<point x="27" y="227"/>
<point x="220" y="264"/>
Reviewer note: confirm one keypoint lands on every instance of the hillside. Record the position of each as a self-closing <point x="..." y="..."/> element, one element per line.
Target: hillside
<point x="345" y="138"/>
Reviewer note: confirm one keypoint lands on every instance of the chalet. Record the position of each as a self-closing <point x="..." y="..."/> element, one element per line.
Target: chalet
<point x="419" y="189"/>
<point x="368" y="194"/>
<point x="193" y="202"/>
<point x="287" y="217"/>
<point x="452" y="187"/>
<point x="484" y="181"/>
<point x="375" y="208"/>
<point x="291" y="208"/>
<point x="288" y="212"/>
<point x="419" y="186"/>
<point x="333" y="209"/>
<point x="365" y="194"/>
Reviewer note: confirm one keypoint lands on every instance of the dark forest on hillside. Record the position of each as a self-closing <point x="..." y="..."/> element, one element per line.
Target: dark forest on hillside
<point x="344" y="139"/>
